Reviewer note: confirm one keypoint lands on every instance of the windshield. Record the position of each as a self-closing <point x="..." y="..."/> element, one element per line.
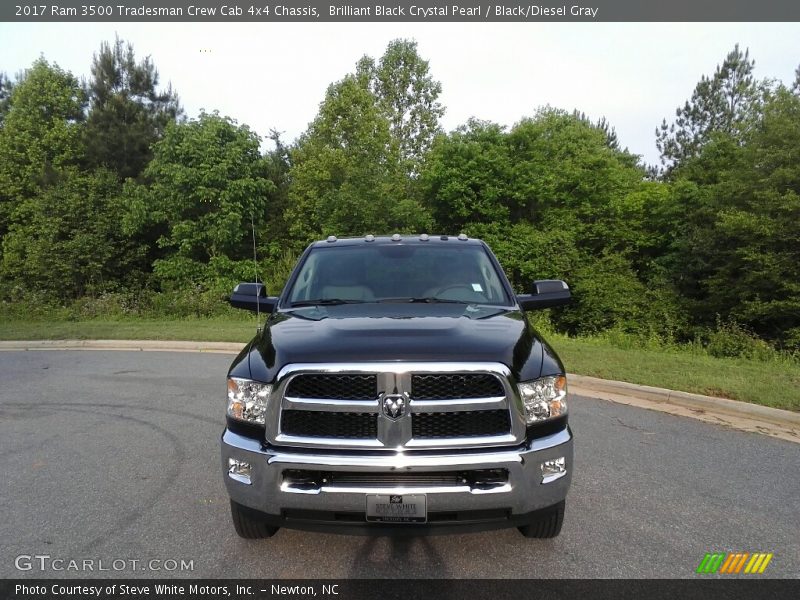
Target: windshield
<point x="398" y="273"/>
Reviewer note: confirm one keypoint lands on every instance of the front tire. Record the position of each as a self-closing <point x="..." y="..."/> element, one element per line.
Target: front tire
<point x="547" y="524"/>
<point x="247" y="525"/>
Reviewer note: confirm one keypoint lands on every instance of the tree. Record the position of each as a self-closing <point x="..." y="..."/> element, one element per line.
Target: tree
<point x="5" y="94"/>
<point x="40" y="135"/>
<point x="127" y="111"/>
<point x="278" y="165"/>
<point x="565" y="170"/>
<point x="71" y="241"/>
<point x="206" y="183"/>
<point x="725" y="103"/>
<point x="466" y="177"/>
<point x="407" y="95"/>
<point x="346" y="173"/>
<point x="602" y="123"/>
<point x="750" y="246"/>
<point x="796" y="84"/>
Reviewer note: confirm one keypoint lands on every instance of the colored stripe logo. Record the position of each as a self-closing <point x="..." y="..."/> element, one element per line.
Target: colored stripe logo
<point x="734" y="563"/>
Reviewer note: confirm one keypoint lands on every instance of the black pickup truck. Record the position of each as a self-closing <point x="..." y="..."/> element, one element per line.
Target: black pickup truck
<point x="396" y="387"/>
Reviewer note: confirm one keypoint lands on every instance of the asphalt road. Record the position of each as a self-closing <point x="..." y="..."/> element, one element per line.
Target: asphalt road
<point x="114" y="456"/>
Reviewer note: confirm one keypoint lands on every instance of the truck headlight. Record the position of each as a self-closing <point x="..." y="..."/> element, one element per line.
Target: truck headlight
<point x="247" y="400"/>
<point x="544" y="398"/>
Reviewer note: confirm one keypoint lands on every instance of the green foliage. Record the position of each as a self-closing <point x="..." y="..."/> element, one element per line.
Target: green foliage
<point x="555" y="198"/>
<point x="205" y="185"/>
<point x="127" y="113"/>
<point x="729" y="339"/>
<point x="5" y="95"/>
<point x="739" y="251"/>
<point x="71" y="242"/>
<point x="796" y="83"/>
<point x="113" y="205"/>
<point x="346" y="173"/>
<point x="40" y="135"/>
<point x="407" y="96"/>
<point x="528" y="253"/>
<point x="724" y="103"/>
<point x="466" y="176"/>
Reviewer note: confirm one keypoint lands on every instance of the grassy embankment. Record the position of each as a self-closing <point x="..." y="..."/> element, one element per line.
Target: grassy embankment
<point x="772" y="383"/>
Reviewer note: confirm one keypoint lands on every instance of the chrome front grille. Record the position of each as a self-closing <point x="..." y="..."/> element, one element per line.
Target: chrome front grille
<point x="394" y="406"/>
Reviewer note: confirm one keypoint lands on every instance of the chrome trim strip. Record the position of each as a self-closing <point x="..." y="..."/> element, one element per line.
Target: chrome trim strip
<point x="396" y="462"/>
<point x="550" y="441"/>
<point x="551" y="478"/>
<point x="300" y="440"/>
<point x="322" y="404"/>
<point x="458" y="405"/>
<point x="441" y="489"/>
<point x="477" y="441"/>
<point x="240" y="478"/>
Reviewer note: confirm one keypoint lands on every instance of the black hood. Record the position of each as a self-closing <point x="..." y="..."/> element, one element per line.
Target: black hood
<point x="397" y="332"/>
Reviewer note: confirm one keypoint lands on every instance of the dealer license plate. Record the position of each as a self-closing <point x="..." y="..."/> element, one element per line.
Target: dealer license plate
<point x="396" y="508"/>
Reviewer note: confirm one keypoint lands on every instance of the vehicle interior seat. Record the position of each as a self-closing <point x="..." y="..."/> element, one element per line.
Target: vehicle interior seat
<point x="345" y="284"/>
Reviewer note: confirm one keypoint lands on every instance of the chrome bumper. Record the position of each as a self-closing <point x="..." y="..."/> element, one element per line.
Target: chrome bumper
<point x="524" y="492"/>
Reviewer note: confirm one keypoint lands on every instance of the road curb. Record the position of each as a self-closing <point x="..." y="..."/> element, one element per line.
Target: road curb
<point x="583" y="385"/>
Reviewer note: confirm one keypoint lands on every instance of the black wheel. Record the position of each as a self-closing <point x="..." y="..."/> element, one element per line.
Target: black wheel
<point x="547" y="524"/>
<point x="249" y="526"/>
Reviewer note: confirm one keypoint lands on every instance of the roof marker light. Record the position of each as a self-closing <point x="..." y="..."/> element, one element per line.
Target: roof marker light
<point x="396" y="237"/>
<point x="462" y="237"/>
<point x="443" y="238"/>
<point x="331" y="238"/>
<point x="423" y="237"/>
<point x="369" y="238"/>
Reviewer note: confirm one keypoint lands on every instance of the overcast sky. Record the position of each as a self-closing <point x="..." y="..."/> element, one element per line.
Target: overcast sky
<point x="275" y="75"/>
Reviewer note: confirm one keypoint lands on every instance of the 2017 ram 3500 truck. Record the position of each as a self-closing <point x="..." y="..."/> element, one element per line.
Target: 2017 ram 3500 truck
<point x="397" y="387"/>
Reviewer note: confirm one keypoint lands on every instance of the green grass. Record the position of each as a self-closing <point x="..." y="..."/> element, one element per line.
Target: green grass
<point x="771" y="383"/>
<point x="201" y="330"/>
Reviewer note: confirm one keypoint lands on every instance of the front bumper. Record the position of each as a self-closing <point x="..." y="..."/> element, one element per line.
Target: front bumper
<point x="450" y="508"/>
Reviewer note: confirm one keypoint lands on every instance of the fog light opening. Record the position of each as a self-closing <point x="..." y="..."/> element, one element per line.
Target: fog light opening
<point x="554" y="469"/>
<point x="239" y="470"/>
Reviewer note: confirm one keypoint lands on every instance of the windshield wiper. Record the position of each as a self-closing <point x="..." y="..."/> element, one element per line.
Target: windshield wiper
<point x="426" y="299"/>
<point x="324" y="302"/>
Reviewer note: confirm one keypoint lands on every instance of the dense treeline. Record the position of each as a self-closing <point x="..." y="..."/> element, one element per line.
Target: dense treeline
<point x="109" y="194"/>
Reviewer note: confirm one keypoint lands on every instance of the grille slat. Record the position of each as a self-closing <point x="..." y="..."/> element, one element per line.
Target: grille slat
<point x="345" y="386"/>
<point x="456" y="385"/>
<point x="330" y="424"/>
<point x="460" y="424"/>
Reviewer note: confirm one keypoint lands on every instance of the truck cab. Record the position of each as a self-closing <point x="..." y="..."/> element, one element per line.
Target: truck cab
<point x="397" y="387"/>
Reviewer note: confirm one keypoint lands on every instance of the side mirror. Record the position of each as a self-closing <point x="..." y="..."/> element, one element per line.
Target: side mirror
<point x="252" y="296"/>
<point x="545" y="294"/>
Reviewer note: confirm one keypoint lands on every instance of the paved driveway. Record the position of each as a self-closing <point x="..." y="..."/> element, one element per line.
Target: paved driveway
<point x="114" y="456"/>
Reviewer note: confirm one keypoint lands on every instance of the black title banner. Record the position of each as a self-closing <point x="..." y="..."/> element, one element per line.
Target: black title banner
<point x="396" y="589"/>
<point x="394" y="11"/>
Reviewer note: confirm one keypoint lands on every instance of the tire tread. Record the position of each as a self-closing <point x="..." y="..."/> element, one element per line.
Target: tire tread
<point x="247" y="527"/>
<point x="548" y="525"/>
